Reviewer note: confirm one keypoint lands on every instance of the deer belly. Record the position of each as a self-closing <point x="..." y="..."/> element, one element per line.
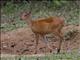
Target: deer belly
<point x="42" y="30"/>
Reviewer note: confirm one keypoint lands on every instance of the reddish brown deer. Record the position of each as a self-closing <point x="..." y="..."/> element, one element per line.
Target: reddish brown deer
<point x="41" y="27"/>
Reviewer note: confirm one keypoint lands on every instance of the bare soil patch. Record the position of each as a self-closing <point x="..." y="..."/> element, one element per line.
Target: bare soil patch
<point x="22" y="41"/>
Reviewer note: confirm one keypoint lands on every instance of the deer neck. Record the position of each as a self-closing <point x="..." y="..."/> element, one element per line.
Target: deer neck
<point x="29" y="21"/>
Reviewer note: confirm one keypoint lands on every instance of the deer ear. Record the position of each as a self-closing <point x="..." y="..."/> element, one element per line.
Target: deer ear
<point x="21" y="14"/>
<point x="29" y="13"/>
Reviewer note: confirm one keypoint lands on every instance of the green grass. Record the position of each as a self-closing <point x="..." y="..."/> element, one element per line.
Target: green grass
<point x="8" y="27"/>
<point x="61" y="56"/>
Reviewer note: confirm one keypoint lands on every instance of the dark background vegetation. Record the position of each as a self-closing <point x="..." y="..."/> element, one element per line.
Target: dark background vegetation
<point x="11" y="10"/>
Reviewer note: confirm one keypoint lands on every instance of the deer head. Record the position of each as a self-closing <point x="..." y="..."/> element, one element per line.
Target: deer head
<point x="26" y="16"/>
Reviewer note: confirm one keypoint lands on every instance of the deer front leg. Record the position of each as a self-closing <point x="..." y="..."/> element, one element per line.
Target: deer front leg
<point x="46" y="43"/>
<point x="37" y="40"/>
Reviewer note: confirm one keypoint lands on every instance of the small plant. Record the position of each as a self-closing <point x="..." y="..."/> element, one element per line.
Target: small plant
<point x="71" y="34"/>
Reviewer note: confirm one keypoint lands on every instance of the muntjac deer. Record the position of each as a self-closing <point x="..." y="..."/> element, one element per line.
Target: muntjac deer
<point x="41" y="27"/>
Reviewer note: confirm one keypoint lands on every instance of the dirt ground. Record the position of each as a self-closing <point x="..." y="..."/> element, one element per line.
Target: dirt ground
<point x="22" y="41"/>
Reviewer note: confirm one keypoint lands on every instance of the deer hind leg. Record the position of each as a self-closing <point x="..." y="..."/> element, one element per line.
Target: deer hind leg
<point x="60" y="35"/>
<point x="37" y="40"/>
